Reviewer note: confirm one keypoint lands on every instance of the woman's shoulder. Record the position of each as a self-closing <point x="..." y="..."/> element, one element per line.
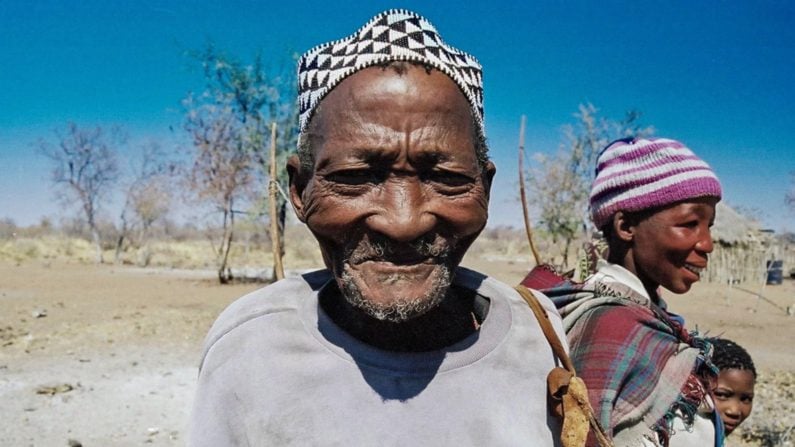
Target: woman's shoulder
<point x="614" y="320"/>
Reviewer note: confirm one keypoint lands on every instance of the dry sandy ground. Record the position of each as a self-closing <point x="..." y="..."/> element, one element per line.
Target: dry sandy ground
<point x="125" y="340"/>
<point x="106" y="356"/>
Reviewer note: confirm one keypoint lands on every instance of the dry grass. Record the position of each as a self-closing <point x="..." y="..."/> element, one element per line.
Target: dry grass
<point x="46" y="247"/>
<point x="301" y="252"/>
<point x="301" y="248"/>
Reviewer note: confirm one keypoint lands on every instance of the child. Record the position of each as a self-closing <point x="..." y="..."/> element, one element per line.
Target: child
<point x="734" y="394"/>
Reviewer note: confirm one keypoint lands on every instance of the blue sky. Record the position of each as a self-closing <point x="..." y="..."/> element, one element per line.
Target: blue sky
<point x="716" y="75"/>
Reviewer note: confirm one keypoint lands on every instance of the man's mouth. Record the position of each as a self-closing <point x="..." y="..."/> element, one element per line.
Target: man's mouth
<point x="403" y="260"/>
<point x="396" y="266"/>
<point x="394" y="283"/>
<point x="394" y="255"/>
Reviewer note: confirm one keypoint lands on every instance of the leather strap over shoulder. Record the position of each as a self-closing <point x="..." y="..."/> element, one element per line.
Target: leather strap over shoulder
<point x="546" y="326"/>
<point x="568" y="395"/>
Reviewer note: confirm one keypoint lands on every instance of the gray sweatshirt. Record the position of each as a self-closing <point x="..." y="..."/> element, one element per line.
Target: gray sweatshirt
<point x="277" y="371"/>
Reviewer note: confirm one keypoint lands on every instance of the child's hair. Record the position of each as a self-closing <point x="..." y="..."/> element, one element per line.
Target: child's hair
<point x="729" y="355"/>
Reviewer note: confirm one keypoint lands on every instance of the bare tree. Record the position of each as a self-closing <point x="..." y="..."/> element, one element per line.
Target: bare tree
<point x="221" y="173"/>
<point x="561" y="183"/>
<point x="148" y="198"/>
<point x="84" y="170"/>
<point x="790" y="196"/>
<point x="229" y="126"/>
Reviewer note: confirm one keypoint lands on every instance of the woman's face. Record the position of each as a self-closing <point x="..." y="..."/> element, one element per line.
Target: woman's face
<point x="670" y="247"/>
<point x="734" y="396"/>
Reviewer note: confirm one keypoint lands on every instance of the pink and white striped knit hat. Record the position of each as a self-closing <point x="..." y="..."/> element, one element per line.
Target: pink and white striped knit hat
<point x="638" y="174"/>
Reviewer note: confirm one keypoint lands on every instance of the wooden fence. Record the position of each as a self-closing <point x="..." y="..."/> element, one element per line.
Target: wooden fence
<point x="747" y="262"/>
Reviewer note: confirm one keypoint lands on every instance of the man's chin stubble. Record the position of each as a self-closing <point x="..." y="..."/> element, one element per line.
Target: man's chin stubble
<point x="401" y="308"/>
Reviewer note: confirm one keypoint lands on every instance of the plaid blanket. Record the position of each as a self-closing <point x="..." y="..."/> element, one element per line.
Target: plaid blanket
<point x="641" y="366"/>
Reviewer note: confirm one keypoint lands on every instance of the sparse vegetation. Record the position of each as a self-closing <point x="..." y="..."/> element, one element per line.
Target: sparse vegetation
<point x="85" y="170"/>
<point x="191" y="251"/>
<point x="147" y="199"/>
<point x="228" y="125"/>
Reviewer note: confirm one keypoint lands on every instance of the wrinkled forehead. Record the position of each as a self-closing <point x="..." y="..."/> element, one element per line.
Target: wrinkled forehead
<point x="382" y="109"/>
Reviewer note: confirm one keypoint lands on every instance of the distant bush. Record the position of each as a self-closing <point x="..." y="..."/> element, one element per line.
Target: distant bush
<point x="8" y="229"/>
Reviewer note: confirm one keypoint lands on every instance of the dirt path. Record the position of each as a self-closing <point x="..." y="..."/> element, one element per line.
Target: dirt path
<point x="125" y="341"/>
<point x="107" y="355"/>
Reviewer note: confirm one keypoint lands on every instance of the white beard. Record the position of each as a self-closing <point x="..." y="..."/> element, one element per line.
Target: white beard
<point x="401" y="308"/>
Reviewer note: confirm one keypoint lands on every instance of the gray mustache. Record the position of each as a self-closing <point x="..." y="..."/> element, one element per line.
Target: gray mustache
<point x="369" y="249"/>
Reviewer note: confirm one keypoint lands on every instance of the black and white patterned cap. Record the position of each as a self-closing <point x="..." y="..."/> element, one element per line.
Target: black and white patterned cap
<point x="394" y="35"/>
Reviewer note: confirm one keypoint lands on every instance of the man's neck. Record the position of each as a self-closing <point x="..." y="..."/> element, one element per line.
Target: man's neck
<point x="454" y="319"/>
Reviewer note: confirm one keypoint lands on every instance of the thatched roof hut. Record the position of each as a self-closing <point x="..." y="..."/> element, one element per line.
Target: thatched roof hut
<point x="741" y="248"/>
<point x="732" y="228"/>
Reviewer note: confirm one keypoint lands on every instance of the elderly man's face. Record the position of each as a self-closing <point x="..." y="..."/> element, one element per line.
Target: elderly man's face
<point x="396" y="195"/>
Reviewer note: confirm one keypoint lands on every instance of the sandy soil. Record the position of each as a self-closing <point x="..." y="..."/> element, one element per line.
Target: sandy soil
<point x="107" y="355"/>
<point x="126" y="341"/>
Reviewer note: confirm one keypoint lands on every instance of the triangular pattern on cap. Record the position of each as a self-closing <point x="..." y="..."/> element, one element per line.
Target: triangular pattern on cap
<point x="393" y="35"/>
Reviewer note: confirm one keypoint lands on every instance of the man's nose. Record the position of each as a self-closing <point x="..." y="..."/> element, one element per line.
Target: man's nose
<point x="403" y="212"/>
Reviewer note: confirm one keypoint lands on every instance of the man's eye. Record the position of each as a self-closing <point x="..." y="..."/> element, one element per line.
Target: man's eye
<point x="448" y="178"/>
<point x="355" y="177"/>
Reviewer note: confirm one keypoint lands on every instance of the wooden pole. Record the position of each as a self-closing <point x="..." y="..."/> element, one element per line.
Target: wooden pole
<point x="527" y="226"/>
<point x="278" y="268"/>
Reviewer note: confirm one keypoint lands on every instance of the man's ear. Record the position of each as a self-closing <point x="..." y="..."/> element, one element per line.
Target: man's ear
<point x="624" y="226"/>
<point x="298" y="180"/>
<point x="488" y="176"/>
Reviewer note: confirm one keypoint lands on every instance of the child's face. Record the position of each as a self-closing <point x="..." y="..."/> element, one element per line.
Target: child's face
<point x="734" y="396"/>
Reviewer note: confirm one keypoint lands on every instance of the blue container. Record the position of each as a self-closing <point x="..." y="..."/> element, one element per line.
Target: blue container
<point x="775" y="272"/>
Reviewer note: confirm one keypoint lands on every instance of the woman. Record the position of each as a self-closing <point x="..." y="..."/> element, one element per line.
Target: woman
<point x="648" y="378"/>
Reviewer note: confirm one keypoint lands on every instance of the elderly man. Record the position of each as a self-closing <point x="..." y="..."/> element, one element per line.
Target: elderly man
<point x="393" y="344"/>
